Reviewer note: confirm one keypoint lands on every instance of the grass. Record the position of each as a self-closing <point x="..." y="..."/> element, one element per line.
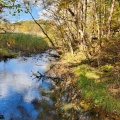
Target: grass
<point x="22" y="42"/>
<point x="6" y="53"/>
<point x="95" y="88"/>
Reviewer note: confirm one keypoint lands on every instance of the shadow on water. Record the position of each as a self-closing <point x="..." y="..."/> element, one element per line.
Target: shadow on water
<point x="21" y="97"/>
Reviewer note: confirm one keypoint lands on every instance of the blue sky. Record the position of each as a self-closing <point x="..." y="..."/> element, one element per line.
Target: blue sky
<point x="37" y="11"/>
<point x="24" y="16"/>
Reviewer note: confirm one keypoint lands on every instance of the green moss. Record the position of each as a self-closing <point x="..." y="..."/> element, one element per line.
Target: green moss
<point x="6" y="53"/>
<point x="93" y="88"/>
<point x="107" y="68"/>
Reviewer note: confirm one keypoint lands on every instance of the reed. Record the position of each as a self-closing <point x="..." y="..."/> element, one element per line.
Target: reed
<point x="23" y="42"/>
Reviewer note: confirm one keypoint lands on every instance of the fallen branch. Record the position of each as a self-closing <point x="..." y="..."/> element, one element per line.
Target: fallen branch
<point x="40" y="76"/>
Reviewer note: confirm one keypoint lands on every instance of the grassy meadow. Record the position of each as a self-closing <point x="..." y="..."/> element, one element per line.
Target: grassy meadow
<point x="11" y="44"/>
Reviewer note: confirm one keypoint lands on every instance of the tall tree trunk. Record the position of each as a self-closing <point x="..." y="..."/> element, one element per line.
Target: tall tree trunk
<point x="97" y="6"/>
<point x="100" y="30"/>
<point x="110" y="19"/>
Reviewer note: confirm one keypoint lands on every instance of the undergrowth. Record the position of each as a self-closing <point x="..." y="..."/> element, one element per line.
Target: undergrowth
<point x="94" y="87"/>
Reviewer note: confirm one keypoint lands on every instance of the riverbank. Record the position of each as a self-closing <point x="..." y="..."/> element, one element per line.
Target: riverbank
<point x="12" y="44"/>
<point x="86" y="91"/>
<point x="6" y="54"/>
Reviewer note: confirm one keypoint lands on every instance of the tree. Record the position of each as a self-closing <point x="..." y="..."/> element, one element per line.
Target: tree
<point x="78" y="24"/>
<point x="110" y="18"/>
<point x="8" y="5"/>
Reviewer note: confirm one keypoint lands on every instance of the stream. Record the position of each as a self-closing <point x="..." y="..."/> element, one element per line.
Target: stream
<point x="19" y="91"/>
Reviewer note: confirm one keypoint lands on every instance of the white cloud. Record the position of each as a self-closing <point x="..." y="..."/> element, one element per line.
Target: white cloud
<point x="47" y="14"/>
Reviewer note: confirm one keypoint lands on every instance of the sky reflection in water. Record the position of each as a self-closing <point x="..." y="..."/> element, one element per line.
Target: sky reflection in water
<point x="18" y="90"/>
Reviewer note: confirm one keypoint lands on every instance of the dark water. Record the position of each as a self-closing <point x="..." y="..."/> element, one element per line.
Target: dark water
<point x="18" y="89"/>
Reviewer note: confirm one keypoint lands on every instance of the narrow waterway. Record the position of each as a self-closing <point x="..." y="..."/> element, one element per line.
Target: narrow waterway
<point x="18" y="89"/>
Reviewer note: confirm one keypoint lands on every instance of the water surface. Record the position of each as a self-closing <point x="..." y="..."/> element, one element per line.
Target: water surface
<point x="18" y="89"/>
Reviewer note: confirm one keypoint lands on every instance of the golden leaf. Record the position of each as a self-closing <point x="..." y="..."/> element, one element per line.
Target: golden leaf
<point x="11" y="41"/>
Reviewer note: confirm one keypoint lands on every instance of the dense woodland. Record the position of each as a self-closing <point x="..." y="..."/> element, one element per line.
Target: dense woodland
<point x="88" y="31"/>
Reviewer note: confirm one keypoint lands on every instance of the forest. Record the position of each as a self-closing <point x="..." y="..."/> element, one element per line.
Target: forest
<point x="86" y="36"/>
